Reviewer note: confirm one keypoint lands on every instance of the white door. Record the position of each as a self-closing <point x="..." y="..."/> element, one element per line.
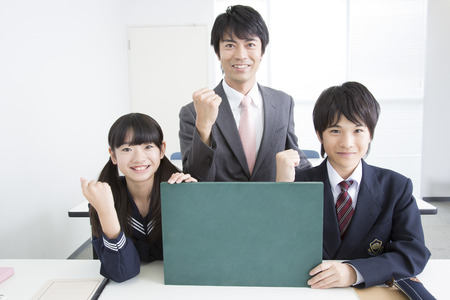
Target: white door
<point x="166" y="65"/>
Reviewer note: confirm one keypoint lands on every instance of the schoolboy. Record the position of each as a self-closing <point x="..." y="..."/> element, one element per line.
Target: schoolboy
<point x="379" y="234"/>
<point x="213" y="144"/>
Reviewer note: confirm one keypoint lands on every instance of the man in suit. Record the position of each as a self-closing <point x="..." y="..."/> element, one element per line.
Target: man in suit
<point x="215" y="145"/>
<point x="372" y="222"/>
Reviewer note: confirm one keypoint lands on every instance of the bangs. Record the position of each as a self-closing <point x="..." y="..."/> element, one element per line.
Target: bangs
<point x="135" y="129"/>
<point x="143" y="136"/>
<point x="351" y="100"/>
<point x="240" y="31"/>
<point x="350" y="113"/>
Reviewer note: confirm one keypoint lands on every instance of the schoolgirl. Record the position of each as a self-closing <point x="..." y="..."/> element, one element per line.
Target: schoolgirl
<point x="125" y="209"/>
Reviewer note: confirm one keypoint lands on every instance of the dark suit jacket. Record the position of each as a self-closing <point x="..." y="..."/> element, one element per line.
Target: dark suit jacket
<point x="385" y="237"/>
<point x="225" y="159"/>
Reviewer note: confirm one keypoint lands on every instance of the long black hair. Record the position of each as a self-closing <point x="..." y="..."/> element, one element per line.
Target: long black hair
<point x="144" y="130"/>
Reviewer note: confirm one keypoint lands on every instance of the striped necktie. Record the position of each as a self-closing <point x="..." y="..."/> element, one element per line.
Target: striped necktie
<point x="344" y="207"/>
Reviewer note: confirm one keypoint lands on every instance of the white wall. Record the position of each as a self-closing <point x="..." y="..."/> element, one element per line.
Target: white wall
<point x="187" y="58"/>
<point x="436" y="126"/>
<point x="63" y="81"/>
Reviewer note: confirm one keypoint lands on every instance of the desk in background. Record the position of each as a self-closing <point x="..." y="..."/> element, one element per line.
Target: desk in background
<point x="426" y="208"/>
<point x="81" y="210"/>
<point x="179" y="164"/>
<point x="30" y="275"/>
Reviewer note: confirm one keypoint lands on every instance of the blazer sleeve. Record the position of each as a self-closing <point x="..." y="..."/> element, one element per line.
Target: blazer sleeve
<point x="292" y="141"/>
<point x="406" y="254"/>
<point x="197" y="157"/>
<point x="119" y="258"/>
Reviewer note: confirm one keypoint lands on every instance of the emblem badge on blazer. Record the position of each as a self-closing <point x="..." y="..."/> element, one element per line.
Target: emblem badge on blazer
<point x="376" y="247"/>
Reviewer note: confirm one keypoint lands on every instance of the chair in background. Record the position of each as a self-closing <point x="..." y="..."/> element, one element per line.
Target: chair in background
<point x="175" y="156"/>
<point x="311" y="153"/>
<point x="308" y="153"/>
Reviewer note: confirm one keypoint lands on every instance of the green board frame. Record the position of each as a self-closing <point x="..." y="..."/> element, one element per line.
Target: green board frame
<point x="241" y="234"/>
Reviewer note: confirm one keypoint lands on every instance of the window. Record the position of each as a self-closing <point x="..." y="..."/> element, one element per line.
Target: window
<point x="317" y="44"/>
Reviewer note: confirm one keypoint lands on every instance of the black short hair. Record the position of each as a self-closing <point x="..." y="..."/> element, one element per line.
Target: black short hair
<point x="351" y="99"/>
<point x="241" y="21"/>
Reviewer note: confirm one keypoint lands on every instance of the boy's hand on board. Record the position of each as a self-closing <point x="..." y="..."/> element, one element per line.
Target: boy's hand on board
<point x="332" y="274"/>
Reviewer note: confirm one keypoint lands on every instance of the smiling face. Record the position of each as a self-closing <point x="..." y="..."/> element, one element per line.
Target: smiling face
<point x="138" y="163"/>
<point x="345" y="143"/>
<point x="240" y="59"/>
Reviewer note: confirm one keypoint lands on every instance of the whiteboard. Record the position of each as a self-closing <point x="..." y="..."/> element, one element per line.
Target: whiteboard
<point x="166" y="65"/>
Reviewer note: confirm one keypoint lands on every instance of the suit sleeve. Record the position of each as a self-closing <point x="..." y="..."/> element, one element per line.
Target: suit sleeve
<point x="119" y="258"/>
<point x="198" y="158"/>
<point x="406" y="254"/>
<point x="292" y="141"/>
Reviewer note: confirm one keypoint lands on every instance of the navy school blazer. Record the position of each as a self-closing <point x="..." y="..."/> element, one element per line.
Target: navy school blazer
<point x="385" y="238"/>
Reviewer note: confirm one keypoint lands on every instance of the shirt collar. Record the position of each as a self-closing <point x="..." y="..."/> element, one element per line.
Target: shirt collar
<point x="335" y="178"/>
<point x="234" y="97"/>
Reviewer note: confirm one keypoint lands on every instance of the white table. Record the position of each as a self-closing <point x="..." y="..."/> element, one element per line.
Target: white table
<point x="31" y="275"/>
<point x="151" y="283"/>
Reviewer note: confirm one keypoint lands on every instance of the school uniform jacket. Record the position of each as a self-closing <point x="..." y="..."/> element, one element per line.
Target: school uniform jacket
<point x="225" y="160"/>
<point x="121" y="258"/>
<point x="385" y="238"/>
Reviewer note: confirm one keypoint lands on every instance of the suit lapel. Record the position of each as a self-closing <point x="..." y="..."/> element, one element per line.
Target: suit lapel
<point x="227" y="126"/>
<point x="270" y="122"/>
<point x="331" y="236"/>
<point x="368" y="207"/>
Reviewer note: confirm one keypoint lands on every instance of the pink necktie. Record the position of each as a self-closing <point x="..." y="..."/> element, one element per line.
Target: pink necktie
<point x="344" y="207"/>
<point x="247" y="132"/>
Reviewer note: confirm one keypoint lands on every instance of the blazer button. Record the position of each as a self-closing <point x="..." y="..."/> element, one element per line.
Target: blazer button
<point x="207" y="161"/>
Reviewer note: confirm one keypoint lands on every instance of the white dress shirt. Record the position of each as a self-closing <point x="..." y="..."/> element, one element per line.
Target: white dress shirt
<point x="335" y="179"/>
<point x="353" y="191"/>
